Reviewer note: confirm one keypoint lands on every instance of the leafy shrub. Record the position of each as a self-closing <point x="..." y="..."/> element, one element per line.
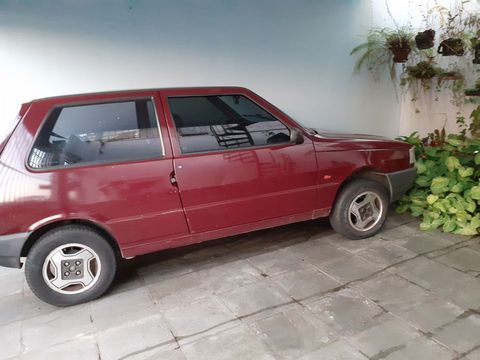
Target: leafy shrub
<point x="446" y="193"/>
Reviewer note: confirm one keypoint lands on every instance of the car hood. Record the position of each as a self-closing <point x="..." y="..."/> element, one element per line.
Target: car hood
<point x="350" y="141"/>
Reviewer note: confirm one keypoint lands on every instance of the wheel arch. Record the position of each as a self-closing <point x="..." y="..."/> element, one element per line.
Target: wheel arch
<point x="365" y="173"/>
<point x="37" y="233"/>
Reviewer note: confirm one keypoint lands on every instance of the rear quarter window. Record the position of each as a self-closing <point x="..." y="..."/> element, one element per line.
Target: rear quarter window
<point x="92" y="133"/>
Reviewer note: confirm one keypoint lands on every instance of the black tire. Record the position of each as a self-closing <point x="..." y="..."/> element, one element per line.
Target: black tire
<point x="344" y="223"/>
<point x="70" y="234"/>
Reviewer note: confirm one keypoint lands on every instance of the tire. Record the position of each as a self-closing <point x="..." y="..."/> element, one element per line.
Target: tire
<point x="365" y="218"/>
<point x="87" y="262"/>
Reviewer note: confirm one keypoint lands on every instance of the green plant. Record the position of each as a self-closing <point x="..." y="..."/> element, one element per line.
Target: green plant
<point x="423" y="73"/>
<point x="446" y="193"/>
<point x="383" y="48"/>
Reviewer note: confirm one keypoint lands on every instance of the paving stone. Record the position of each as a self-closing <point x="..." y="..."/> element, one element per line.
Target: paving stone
<point x="56" y="327"/>
<point x="474" y="244"/>
<point x="455" y="286"/>
<point x="393" y="293"/>
<point x="305" y="282"/>
<point x="386" y="254"/>
<point x="432" y="314"/>
<point x="120" y="308"/>
<point x="184" y="289"/>
<point x="317" y="251"/>
<point x="12" y="283"/>
<point x="422" y="348"/>
<point x="10" y="336"/>
<point x="463" y="259"/>
<point x="83" y="348"/>
<point x="254" y="298"/>
<point x="353" y="246"/>
<point x="231" y="275"/>
<point x="171" y="352"/>
<point x="134" y="337"/>
<point x="383" y="338"/>
<point x="462" y="335"/>
<point x="237" y="343"/>
<point x="20" y="307"/>
<point x="163" y="269"/>
<point x="275" y="262"/>
<point x="348" y="268"/>
<point x="473" y="355"/>
<point x="347" y="312"/>
<point x="293" y="333"/>
<point x="340" y="350"/>
<point x="395" y="220"/>
<point x="398" y="232"/>
<point x="126" y="280"/>
<point x="199" y="317"/>
<point x="422" y="242"/>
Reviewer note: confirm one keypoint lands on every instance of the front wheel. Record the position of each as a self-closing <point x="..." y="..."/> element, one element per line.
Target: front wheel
<point x="360" y="209"/>
<point x="70" y="265"/>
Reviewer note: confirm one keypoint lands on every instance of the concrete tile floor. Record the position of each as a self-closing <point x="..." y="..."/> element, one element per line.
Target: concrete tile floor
<point x="296" y="292"/>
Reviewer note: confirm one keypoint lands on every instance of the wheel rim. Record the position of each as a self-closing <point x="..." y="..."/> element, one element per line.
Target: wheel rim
<point x="71" y="268"/>
<point x="365" y="211"/>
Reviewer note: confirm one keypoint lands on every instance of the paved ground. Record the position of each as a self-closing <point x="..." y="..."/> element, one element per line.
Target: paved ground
<point x="295" y="292"/>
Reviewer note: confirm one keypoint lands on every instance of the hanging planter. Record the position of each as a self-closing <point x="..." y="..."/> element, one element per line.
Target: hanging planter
<point x="400" y="47"/>
<point x="425" y="40"/>
<point x="476" y="50"/>
<point x="451" y="47"/>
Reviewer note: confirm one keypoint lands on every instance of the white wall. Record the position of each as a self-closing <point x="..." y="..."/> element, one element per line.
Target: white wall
<point x="293" y="53"/>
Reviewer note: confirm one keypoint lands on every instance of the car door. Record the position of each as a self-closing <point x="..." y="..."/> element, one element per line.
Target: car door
<point x="234" y="161"/>
<point x="108" y="160"/>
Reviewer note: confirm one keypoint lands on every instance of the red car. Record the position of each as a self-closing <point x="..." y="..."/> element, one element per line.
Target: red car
<point x="87" y="178"/>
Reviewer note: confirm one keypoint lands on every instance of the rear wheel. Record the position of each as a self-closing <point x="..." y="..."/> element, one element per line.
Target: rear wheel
<point x="360" y="209"/>
<point x="70" y="265"/>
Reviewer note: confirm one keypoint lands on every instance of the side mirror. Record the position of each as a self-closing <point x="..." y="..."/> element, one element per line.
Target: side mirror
<point x="296" y="136"/>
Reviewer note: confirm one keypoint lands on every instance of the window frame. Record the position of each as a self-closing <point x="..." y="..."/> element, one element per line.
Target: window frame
<point x="94" y="163"/>
<point x="246" y="148"/>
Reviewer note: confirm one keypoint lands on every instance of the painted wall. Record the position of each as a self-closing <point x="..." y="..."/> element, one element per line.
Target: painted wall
<point x="294" y="53"/>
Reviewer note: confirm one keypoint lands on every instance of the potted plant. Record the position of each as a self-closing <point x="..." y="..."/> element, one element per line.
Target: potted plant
<point x="474" y="91"/>
<point x="384" y="48"/>
<point x="425" y="39"/>
<point x="476" y="49"/>
<point x="451" y="47"/>
<point x="400" y="45"/>
<point x="457" y="29"/>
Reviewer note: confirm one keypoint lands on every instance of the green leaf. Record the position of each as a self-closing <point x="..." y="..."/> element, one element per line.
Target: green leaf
<point x="475" y="192"/>
<point x="465" y="172"/>
<point x="449" y="225"/>
<point x="431" y="199"/>
<point x="439" y="185"/>
<point x="477" y="158"/>
<point x="421" y="167"/>
<point x="423" y="181"/>
<point x="454" y="141"/>
<point x="452" y="163"/>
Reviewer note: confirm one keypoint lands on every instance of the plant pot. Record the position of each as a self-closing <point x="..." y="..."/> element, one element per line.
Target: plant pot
<point x="425" y="40"/>
<point x="451" y="47"/>
<point x="476" y="50"/>
<point x="400" y="48"/>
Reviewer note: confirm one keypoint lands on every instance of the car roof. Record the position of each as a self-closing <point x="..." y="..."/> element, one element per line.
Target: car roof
<point x="202" y="89"/>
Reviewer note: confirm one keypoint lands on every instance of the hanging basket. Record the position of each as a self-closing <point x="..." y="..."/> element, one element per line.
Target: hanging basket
<point x="476" y="50"/>
<point x="451" y="47"/>
<point x="425" y="40"/>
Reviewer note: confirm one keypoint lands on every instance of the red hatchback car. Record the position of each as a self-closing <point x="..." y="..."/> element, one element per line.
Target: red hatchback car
<point x="87" y="178"/>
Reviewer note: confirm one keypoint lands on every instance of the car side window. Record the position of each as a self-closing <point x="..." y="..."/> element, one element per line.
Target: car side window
<point x="209" y="123"/>
<point x="106" y="132"/>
